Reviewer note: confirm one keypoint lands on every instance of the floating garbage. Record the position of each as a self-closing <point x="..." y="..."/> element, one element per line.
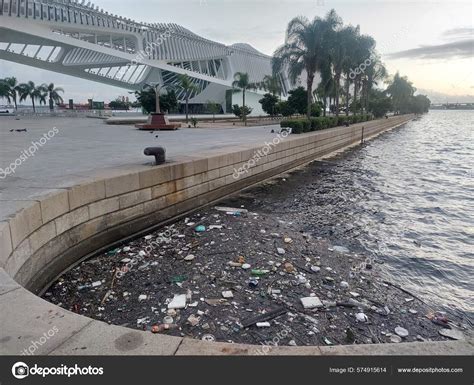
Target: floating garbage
<point x="263" y="324"/>
<point x="311" y="302"/>
<point x="395" y="339"/>
<point x="246" y="266"/>
<point x="231" y="210"/>
<point x="280" y="250"/>
<point x="193" y="320"/>
<point x="402" y="332"/>
<point x="452" y="334"/>
<point x="227" y="294"/>
<point x="361" y="317"/>
<point x="200" y="229"/>
<point x="189" y="257"/>
<point x="178" y="302"/>
<point x="259" y="272"/>
<point x="344" y="285"/>
<point x="340" y="249"/>
<point x="208" y="338"/>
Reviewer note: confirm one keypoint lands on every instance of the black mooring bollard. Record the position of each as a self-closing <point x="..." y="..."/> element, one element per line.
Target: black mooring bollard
<point x="158" y="152"/>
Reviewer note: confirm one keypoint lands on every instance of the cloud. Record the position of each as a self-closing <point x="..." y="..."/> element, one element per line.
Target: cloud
<point x="456" y="49"/>
<point x="458" y="33"/>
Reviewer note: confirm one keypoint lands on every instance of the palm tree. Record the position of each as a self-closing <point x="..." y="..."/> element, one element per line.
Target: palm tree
<point x="272" y="84"/>
<point x="340" y="52"/>
<point x="10" y="89"/>
<point x="53" y="93"/>
<point x="242" y="82"/>
<point x="30" y="90"/>
<point x="305" y="49"/>
<point x="364" y="50"/>
<point x="401" y="90"/>
<point x="375" y="73"/>
<point x="186" y="84"/>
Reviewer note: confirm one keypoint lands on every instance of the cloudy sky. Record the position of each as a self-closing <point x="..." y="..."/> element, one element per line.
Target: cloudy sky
<point x="429" y="41"/>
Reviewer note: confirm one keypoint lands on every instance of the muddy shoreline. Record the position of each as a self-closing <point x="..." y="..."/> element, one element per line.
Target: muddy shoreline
<point x="205" y="258"/>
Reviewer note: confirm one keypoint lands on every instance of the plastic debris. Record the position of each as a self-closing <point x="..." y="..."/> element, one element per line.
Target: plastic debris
<point x="361" y="317"/>
<point x="395" y="339"/>
<point x="142" y="297"/>
<point x="200" y="229"/>
<point x="340" y="249"/>
<point x="193" y="320"/>
<point x="263" y="324"/>
<point x="311" y="302"/>
<point x="231" y="210"/>
<point x="452" y="334"/>
<point x="280" y="251"/>
<point x="344" y="285"/>
<point x="178" y="302"/>
<point x="289" y="268"/>
<point x="246" y="266"/>
<point x="259" y="272"/>
<point x="189" y="257"/>
<point x="402" y="332"/>
<point x="227" y="294"/>
<point x="208" y="338"/>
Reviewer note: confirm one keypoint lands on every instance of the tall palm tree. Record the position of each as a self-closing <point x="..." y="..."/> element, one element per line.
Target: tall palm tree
<point x="10" y="90"/>
<point x="305" y="49"/>
<point x="364" y="50"/>
<point x="187" y="86"/>
<point x="375" y="73"/>
<point x="242" y="82"/>
<point x="340" y="52"/>
<point x="272" y="84"/>
<point x="53" y="94"/>
<point x="30" y="90"/>
<point x="401" y="90"/>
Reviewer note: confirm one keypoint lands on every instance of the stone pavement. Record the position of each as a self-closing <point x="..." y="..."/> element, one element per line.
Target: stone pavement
<point x="84" y="146"/>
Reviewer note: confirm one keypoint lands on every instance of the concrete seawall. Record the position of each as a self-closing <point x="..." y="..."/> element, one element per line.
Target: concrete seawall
<point x="48" y="235"/>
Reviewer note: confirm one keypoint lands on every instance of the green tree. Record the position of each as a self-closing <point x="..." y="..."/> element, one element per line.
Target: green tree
<point x="304" y="50"/>
<point x="186" y="84"/>
<point x="242" y="82"/>
<point x="119" y="104"/>
<point x="401" y="91"/>
<point x="9" y="88"/>
<point x="214" y="108"/>
<point x="272" y="84"/>
<point x="379" y="103"/>
<point x="147" y="99"/>
<point x="269" y="104"/>
<point x="53" y="94"/>
<point x="285" y="108"/>
<point x="297" y="99"/>
<point x="30" y="90"/>
<point x="169" y="101"/>
<point x="241" y="111"/>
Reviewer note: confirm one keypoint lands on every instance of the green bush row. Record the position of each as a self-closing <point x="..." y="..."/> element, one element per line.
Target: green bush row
<point x="299" y="126"/>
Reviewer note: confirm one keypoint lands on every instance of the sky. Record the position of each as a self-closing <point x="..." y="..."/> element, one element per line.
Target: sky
<point x="431" y="42"/>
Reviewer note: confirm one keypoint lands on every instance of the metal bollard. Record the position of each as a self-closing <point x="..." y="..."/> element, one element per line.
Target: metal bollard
<point x="158" y="152"/>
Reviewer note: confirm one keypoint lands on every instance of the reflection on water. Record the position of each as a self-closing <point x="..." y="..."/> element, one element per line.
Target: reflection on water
<point x="406" y="198"/>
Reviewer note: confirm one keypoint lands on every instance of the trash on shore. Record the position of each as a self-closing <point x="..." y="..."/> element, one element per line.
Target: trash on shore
<point x="247" y="275"/>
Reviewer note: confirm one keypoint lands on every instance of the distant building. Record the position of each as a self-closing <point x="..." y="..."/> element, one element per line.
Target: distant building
<point x="80" y="40"/>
